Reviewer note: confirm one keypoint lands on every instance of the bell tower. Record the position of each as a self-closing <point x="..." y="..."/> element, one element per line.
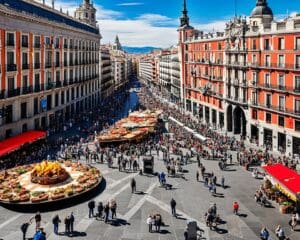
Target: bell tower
<point x="86" y="13"/>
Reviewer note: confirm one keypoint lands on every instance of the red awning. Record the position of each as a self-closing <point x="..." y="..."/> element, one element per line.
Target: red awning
<point x="285" y="176"/>
<point x="14" y="143"/>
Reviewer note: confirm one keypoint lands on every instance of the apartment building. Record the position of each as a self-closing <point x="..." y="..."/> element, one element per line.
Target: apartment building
<point x="247" y="78"/>
<point x="49" y="64"/>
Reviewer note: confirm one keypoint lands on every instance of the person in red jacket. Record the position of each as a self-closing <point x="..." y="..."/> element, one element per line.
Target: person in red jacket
<point x="235" y="208"/>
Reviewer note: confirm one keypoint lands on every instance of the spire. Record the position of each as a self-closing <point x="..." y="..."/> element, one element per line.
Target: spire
<point x="117" y="45"/>
<point x="184" y="20"/>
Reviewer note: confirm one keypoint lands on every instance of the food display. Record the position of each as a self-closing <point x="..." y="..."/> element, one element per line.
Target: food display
<point x="136" y="126"/>
<point x="47" y="181"/>
<point x="47" y="173"/>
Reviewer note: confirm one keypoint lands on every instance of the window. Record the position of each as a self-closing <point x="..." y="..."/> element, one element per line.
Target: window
<point x="268" y="100"/>
<point x="254" y="44"/>
<point x="297" y="84"/>
<point x="281" y="61"/>
<point x="281" y="121"/>
<point x="57" y="76"/>
<point x="11" y="83"/>
<point x="219" y="46"/>
<point x="86" y="15"/>
<point x="297" y="63"/>
<point x="56" y="99"/>
<point x="281" y="103"/>
<point x="267" y="61"/>
<point x="10" y="39"/>
<point x="10" y="58"/>
<point x="254" y="59"/>
<point x="36" y="106"/>
<point x="254" y="114"/>
<point x="281" y="82"/>
<point x="62" y="100"/>
<point x="23" y="110"/>
<point x="25" y="81"/>
<point x="47" y="40"/>
<point x="267" y="44"/>
<point x="48" y="78"/>
<point x="25" y="41"/>
<point x="297" y="125"/>
<point x="37" y="41"/>
<point x="267" y="80"/>
<point x="297" y="106"/>
<point x="37" y="80"/>
<point x="297" y="43"/>
<point x="268" y="117"/>
<point x="280" y="43"/>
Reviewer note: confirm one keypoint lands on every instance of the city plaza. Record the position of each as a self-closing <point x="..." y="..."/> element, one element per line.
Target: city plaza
<point x="217" y="127"/>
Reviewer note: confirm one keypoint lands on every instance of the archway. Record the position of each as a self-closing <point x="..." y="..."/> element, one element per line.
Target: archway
<point x="229" y="118"/>
<point x="239" y="121"/>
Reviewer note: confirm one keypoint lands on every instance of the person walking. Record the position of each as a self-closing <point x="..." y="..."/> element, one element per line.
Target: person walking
<point x="106" y="211"/>
<point x="24" y="228"/>
<point x="264" y="234"/>
<point x="100" y="209"/>
<point x="38" y="219"/>
<point x="133" y="185"/>
<point x="149" y="222"/>
<point x="113" y="208"/>
<point x="67" y="225"/>
<point x="173" y="207"/>
<point x="235" y="208"/>
<point x="91" y="206"/>
<point x="223" y="182"/>
<point x="197" y="175"/>
<point x="72" y="220"/>
<point x="280" y="233"/>
<point x="157" y="222"/>
<point x="56" y="222"/>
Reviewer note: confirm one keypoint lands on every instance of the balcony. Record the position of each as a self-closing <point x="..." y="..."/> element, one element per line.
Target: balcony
<point x="10" y="43"/>
<point x="2" y="94"/>
<point x="26" y="90"/>
<point x="13" y="92"/>
<point x="48" y="45"/>
<point x="37" y="45"/>
<point x="11" y="67"/>
<point x="65" y="45"/>
<point x="57" y="64"/>
<point x="48" y="65"/>
<point x="24" y="44"/>
<point x="37" y="65"/>
<point x="25" y="66"/>
<point x="65" y="63"/>
<point x="58" y="84"/>
<point x="65" y="83"/>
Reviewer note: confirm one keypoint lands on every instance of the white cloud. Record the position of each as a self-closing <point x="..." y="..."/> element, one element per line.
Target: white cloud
<point x="137" y="33"/>
<point x="130" y="4"/>
<point x="211" y="26"/>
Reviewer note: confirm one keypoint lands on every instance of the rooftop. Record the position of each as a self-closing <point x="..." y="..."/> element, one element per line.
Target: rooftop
<point x="49" y="14"/>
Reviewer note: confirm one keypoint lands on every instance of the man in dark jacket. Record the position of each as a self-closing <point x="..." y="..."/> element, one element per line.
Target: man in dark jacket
<point x="72" y="220"/>
<point x="56" y="222"/>
<point x="91" y="206"/>
<point x="24" y="228"/>
<point x="106" y="211"/>
<point x="173" y="207"/>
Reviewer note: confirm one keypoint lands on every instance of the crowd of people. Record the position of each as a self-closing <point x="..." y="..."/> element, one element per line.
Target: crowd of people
<point x="72" y="140"/>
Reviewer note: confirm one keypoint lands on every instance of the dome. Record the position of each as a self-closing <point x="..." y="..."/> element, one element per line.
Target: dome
<point x="261" y="9"/>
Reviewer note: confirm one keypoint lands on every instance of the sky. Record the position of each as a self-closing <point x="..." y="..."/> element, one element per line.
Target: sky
<point x="154" y="23"/>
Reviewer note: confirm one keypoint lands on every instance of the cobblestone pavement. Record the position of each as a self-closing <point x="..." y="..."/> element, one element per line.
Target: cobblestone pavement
<point x="192" y="198"/>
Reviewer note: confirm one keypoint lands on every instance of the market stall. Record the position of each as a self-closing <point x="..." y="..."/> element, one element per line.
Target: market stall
<point x="12" y="144"/>
<point x="133" y="128"/>
<point x="283" y="186"/>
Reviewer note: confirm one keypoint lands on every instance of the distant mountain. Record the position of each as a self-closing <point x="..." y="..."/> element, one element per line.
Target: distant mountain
<point x="139" y="50"/>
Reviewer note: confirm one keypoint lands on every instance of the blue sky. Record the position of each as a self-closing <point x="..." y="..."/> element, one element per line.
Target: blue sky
<point x="154" y="22"/>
